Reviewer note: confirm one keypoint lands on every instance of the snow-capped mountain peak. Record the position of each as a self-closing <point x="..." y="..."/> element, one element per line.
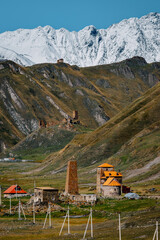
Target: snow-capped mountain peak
<point x="90" y="46"/>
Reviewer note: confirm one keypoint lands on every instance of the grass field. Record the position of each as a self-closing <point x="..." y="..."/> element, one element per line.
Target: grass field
<point x="138" y="219"/>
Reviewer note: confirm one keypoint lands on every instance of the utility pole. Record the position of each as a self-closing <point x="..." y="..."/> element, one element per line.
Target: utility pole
<point x="20" y="207"/>
<point x="19" y="211"/>
<point x="91" y="225"/>
<point x="67" y="215"/>
<point x="23" y="212"/>
<point x="0" y="195"/>
<point x="48" y="213"/>
<point x="68" y="221"/>
<point x="156" y="232"/>
<point x="34" y="219"/>
<point x="10" y="210"/>
<point x="89" y="218"/>
<point x="50" y="224"/>
<point x="119" y="227"/>
<point x="16" y="191"/>
<point x="34" y="182"/>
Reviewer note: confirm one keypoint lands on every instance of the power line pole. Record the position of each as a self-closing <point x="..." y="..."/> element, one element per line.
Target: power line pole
<point x="34" y="182"/>
<point x="89" y="218"/>
<point x="10" y="210"/>
<point x="34" y="219"/>
<point x="19" y="211"/>
<point x="48" y="213"/>
<point x="16" y="191"/>
<point x="67" y="215"/>
<point x="119" y="227"/>
<point x="50" y="223"/>
<point x="156" y="232"/>
<point x="20" y="208"/>
<point x="23" y="212"/>
<point x="91" y="225"/>
<point x="0" y="195"/>
<point x="68" y="221"/>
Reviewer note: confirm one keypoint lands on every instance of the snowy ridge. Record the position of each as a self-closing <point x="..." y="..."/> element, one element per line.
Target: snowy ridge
<point x="12" y="55"/>
<point x="88" y="47"/>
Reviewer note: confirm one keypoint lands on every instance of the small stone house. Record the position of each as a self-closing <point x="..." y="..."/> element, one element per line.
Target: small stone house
<point x="45" y="194"/>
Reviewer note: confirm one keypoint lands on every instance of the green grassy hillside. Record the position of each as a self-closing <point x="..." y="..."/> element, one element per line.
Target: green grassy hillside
<point x="130" y="141"/>
<point x="42" y="142"/>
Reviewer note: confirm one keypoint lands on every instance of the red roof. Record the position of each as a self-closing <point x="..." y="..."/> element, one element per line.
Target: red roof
<point x="12" y="189"/>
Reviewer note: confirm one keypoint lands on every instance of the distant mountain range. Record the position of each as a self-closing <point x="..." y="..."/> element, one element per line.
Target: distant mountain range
<point x="88" y="47"/>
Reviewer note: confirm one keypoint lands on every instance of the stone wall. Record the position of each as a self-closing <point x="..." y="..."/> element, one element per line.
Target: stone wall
<point x="87" y="198"/>
<point x="111" y="191"/>
<point x="99" y="173"/>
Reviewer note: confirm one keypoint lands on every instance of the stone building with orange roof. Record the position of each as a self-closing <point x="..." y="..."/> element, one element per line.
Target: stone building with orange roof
<point x="109" y="182"/>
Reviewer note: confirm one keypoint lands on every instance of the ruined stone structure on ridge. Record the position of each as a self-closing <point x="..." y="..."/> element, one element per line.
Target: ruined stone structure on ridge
<point x="109" y="182"/>
<point x="69" y="121"/>
<point x="75" y="115"/>
<point x="71" y="178"/>
<point x="42" y="123"/>
<point x="45" y="124"/>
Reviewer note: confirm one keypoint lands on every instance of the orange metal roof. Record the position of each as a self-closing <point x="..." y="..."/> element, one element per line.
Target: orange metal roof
<point x="114" y="183"/>
<point x="105" y="165"/>
<point x="12" y="189"/>
<point x="111" y="182"/>
<point x="112" y="174"/>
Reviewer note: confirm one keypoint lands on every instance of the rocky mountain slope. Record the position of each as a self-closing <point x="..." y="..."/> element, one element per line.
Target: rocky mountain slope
<point x="51" y="92"/>
<point x="88" y="47"/>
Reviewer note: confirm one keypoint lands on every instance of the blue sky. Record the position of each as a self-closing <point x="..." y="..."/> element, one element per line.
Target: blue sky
<point x="71" y="14"/>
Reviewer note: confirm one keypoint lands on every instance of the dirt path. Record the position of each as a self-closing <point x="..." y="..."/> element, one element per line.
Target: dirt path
<point x="135" y="172"/>
<point x="37" y="169"/>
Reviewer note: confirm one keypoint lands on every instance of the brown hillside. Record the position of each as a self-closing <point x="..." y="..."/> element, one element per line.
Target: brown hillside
<point x="52" y="91"/>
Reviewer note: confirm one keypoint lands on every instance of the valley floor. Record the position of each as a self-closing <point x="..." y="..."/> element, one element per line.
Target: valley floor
<point x="136" y="225"/>
<point x="138" y="217"/>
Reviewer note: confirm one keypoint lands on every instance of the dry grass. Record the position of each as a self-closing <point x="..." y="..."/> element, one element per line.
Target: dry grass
<point x="138" y="225"/>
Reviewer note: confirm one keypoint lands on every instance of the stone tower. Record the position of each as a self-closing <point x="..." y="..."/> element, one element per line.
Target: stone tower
<point x="71" y="178"/>
<point x="75" y="115"/>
